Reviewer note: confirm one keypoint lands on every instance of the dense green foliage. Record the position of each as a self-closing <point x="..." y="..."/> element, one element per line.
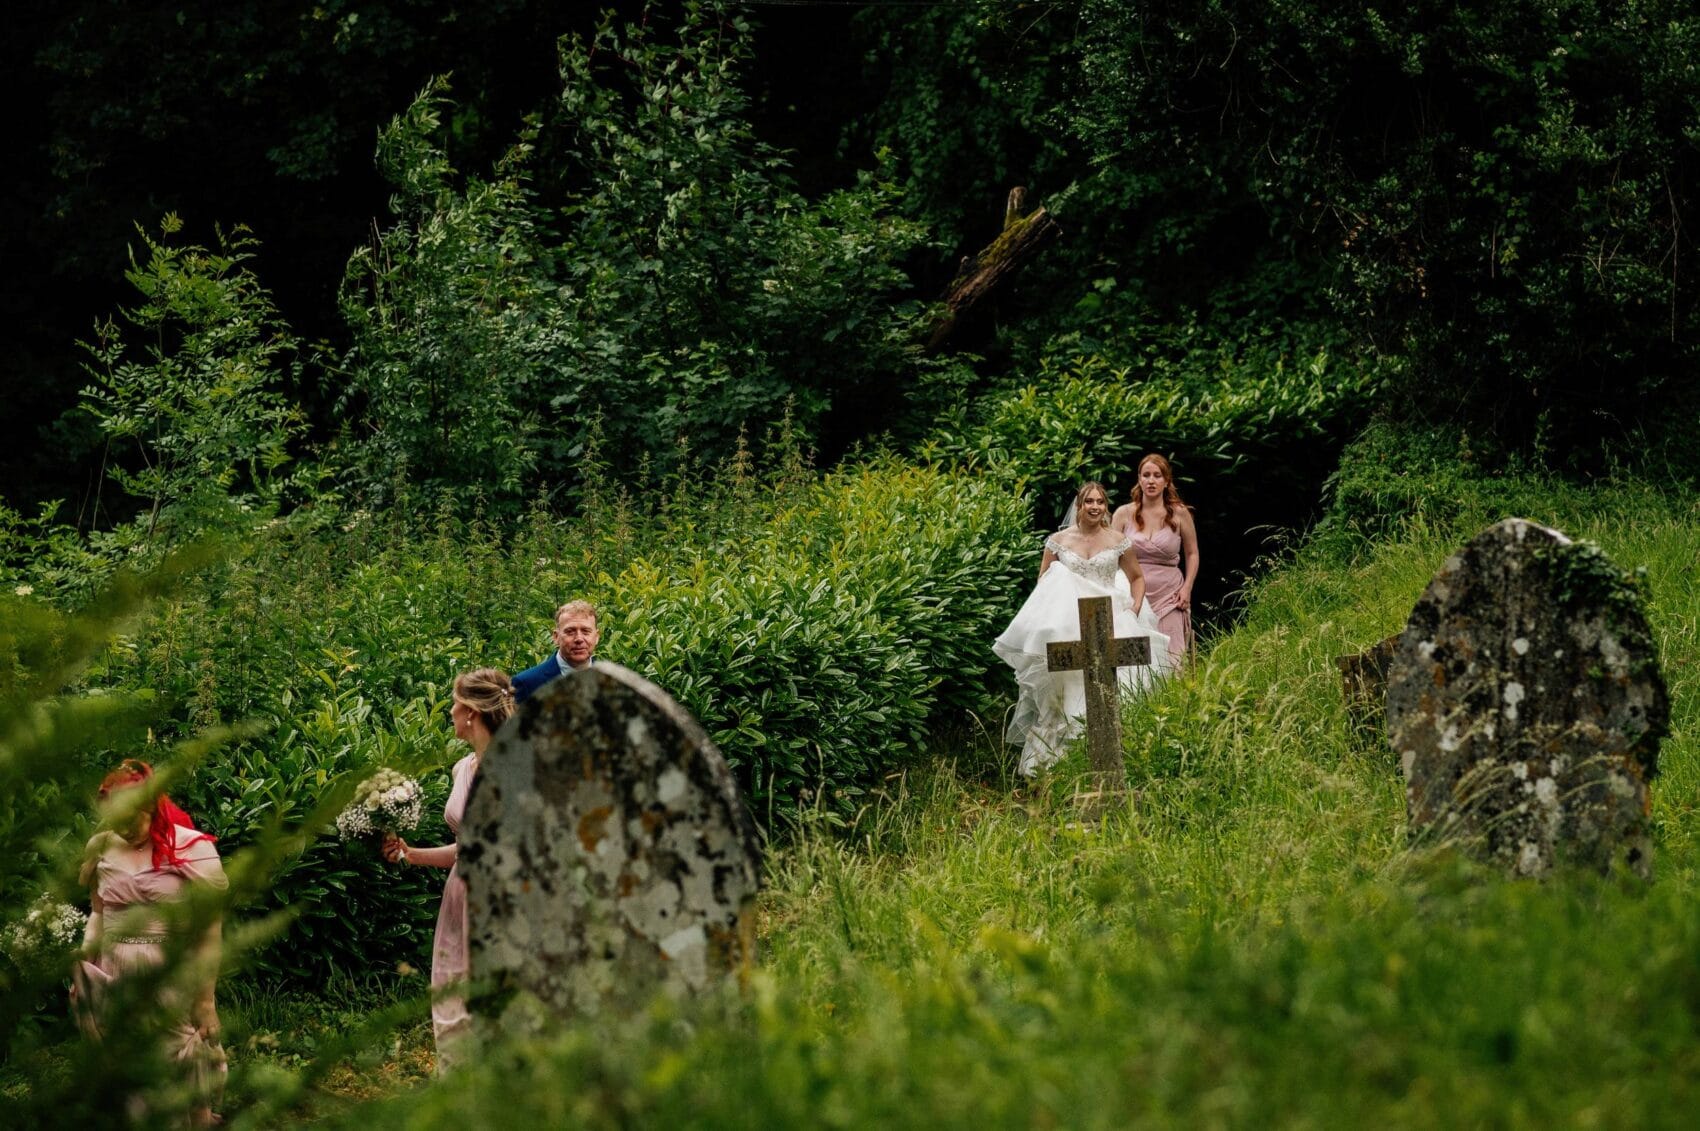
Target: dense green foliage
<point x="1250" y="943"/>
<point x="1252" y="427"/>
<point x="1507" y="189"/>
<point x="224" y="112"/>
<point x="1410" y="270"/>
<point x="1500" y="197"/>
<point x="1492" y="205"/>
<point x="639" y="263"/>
<point x="820" y="627"/>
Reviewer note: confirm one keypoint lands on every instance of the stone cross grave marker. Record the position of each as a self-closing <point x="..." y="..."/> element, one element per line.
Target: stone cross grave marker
<point x="1097" y="655"/>
<point x="1525" y="704"/>
<point x="606" y="855"/>
<point x="1363" y="681"/>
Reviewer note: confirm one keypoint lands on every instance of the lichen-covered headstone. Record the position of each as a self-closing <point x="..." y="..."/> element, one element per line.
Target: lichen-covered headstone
<point x="1363" y="682"/>
<point x="1526" y="705"/>
<point x="606" y="854"/>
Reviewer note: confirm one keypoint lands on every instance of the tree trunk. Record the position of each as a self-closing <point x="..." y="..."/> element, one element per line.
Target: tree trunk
<point x="1021" y="239"/>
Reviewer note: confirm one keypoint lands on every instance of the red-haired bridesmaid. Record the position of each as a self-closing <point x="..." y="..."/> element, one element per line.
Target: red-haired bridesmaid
<point x="1166" y="543"/>
<point x="149" y="855"/>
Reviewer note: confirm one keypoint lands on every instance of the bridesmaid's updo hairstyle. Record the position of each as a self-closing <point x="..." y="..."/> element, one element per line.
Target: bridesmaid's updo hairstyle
<point x="489" y="692"/>
<point x="168" y="843"/>
<point x="1171" y="497"/>
<point x="1080" y="498"/>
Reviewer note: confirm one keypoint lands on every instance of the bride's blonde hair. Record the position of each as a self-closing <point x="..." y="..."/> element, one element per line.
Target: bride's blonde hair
<point x="1080" y="497"/>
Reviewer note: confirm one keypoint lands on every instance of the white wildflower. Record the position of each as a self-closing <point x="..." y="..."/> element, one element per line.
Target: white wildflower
<point x="47" y="931"/>
<point x="24" y="590"/>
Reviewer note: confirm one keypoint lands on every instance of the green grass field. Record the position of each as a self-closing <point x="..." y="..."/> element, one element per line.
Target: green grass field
<point x="1249" y="944"/>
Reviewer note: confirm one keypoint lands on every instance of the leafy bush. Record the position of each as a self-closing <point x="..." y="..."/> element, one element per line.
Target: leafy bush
<point x="347" y="908"/>
<point x="199" y="417"/>
<point x="862" y="614"/>
<point x="638" y="264"/>
<point x="451" y="316"/>
<point x="1248" y="433"/>
<point x="1500" y="193"/>
<point x="820" y="627"/>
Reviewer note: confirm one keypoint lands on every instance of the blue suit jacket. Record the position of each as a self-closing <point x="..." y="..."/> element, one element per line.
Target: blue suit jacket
<point x="528" y="681"/>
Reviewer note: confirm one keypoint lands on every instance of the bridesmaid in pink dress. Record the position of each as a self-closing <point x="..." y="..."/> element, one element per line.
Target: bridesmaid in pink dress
<point x="142" y="862"/>
<point x="483" y="700"/>
<point x="1166" y="543"/>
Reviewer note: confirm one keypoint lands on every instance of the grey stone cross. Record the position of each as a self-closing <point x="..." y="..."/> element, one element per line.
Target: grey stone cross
<point x="1097" y="655"/>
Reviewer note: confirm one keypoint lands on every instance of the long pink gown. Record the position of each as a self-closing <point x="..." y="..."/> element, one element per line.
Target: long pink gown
<point x="450" y="1022"/>
<point x="123" y="939"/>
<point x="1159" y="554"/>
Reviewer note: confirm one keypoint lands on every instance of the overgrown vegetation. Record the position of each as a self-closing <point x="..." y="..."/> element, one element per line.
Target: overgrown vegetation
<point x="1408" y="272"/>
<point x="821" y="626"/>
<point x="1252" y="941"/>
<point x="1498" y="200"/>
<point x="640" y="261"/>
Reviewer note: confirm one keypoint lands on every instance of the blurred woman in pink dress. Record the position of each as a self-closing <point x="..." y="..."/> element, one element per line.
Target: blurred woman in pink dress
<point x="147" y="858"/>
<point x="1166" y="543"/>
<point x="483" y="700"/>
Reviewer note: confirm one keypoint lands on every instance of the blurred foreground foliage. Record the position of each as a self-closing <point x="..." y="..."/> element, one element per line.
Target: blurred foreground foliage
<point x="821" y="626"/>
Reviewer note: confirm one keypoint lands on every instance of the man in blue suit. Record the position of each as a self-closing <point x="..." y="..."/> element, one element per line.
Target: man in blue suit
<point x="575" y="647"/>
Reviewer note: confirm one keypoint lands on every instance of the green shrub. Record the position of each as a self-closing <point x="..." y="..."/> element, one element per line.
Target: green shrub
<point x="1394" y="478"/>
<point x="637" y="264"/>
<point x="1255" y="428"/>
<point x="348" y="909"/>
<point x="450" y="312"/>
<point x="188" y="393"/>
<point x="820" y="626"/>
<point x="861" y="615"/>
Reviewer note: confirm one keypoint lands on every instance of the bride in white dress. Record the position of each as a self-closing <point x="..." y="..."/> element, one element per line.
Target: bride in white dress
<point x="1085" y="559"/>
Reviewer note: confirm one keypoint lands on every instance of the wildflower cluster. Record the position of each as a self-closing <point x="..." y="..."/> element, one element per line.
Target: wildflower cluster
<point x="47" y="931"/>
<point x="387" y="801"/>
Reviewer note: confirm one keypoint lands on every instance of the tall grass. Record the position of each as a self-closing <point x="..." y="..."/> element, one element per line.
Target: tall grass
<point x="1249" y="943"/>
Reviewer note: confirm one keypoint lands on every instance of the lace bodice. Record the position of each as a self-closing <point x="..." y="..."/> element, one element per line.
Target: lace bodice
<point x="1100" y="567"/>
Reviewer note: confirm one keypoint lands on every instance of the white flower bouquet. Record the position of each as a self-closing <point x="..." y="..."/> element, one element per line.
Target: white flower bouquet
<point x="386" y="802"/>
<point x="47" y="933"/>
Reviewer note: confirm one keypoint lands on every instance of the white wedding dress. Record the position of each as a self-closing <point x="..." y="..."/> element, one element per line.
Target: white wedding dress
<point x="1051" y="705"/>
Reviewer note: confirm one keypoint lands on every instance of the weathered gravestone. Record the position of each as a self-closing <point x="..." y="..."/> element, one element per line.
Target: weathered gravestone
<point x="1526" y="706"/>
<point x="606" y="854"/>
<point x="1363" y="682"/>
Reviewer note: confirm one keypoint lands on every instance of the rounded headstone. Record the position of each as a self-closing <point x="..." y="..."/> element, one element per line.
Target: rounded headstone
<point x="606" y="852"/>
<point x="1526" y="706"/>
